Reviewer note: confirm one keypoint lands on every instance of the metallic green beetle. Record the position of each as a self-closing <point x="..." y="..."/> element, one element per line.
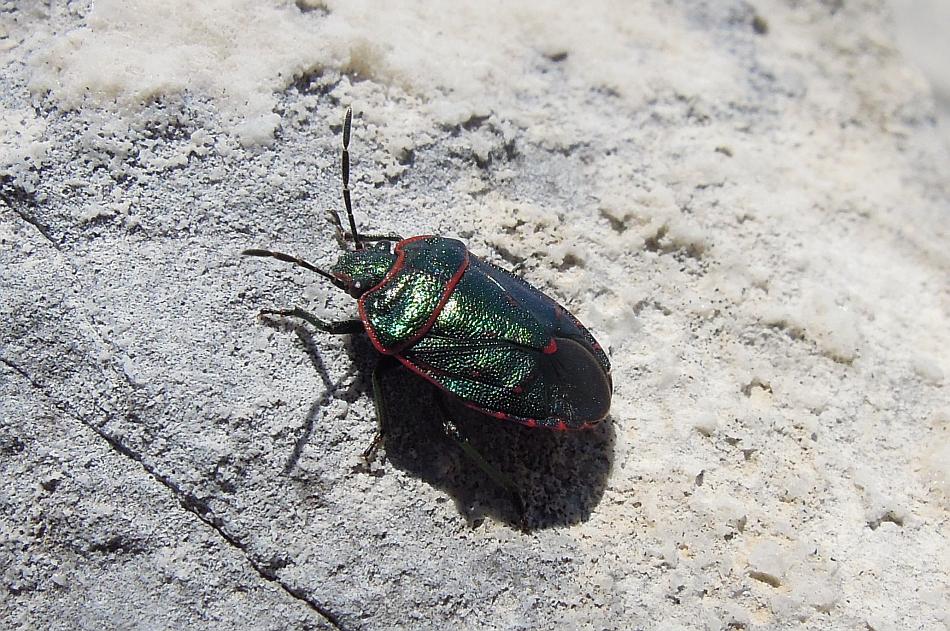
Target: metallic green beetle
<point x="478" y="332"/>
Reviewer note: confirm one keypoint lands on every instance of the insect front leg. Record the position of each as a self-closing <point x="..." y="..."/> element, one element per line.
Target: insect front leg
<point x="377" y="237"/>
<point x="339" y="327"/>
<point x="342" y="236"/>
<point x="455" y="434"/>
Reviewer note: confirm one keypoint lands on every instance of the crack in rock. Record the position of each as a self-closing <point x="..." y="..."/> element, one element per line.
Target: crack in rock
<point x="188" y="501"/>
<point x="24" y="198"/>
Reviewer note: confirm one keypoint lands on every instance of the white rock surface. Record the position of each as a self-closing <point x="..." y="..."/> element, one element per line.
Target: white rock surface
<point x="747" y="202"/>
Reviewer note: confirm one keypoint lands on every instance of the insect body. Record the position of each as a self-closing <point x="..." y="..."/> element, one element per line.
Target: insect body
<point x="479" y="333"/>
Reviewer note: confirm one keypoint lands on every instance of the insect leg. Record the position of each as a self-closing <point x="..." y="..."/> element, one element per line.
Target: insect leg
<point x="376" y="237"/>
<point x="458" y="437"/>
<point x="338" y="231"/>
<point x="340" y="327"/>
<point x="342" y="236"/>
<point x="384" y="365"/>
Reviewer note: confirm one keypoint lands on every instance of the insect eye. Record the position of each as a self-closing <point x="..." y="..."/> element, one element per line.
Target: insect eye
<point x="355" y="289"/>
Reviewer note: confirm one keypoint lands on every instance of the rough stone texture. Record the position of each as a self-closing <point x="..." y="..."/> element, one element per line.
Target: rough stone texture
<point x="748" y="203"/>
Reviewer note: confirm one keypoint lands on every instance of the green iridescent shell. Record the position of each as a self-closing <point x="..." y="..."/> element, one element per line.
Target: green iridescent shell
<point x="483" y="334"/>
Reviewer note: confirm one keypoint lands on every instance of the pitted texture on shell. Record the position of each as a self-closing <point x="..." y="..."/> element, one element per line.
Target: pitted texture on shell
<point x="400" y="308"/>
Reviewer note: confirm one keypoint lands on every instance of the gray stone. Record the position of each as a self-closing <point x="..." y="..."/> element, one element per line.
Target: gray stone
<point x="748" y="206"/>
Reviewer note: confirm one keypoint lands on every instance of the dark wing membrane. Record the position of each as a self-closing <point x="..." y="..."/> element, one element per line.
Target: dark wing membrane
<point x="504" y="347"/>
<point x="576" y="387"/>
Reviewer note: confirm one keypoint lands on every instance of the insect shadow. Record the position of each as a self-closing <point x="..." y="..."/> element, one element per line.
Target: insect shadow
<point x="561" y="476"/>
<point x="424" y="302"/>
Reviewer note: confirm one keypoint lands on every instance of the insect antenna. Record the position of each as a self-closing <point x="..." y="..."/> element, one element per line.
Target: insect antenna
<point x="347" y="122"/>
<point x="288" y="258"/>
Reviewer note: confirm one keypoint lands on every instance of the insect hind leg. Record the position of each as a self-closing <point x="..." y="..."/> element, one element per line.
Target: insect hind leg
<point x="457" y="436"/>
<point x="385" y="365"/>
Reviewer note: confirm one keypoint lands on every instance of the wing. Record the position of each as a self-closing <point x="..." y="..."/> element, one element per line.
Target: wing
<point x="555" y="319"/>
<point x="512" y="352"/>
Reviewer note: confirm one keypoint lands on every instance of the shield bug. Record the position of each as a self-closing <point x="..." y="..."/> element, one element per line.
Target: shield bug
<point x="479" y="333"/>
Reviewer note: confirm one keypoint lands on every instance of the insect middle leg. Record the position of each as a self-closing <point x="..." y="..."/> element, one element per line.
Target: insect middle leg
<point x="339" y="327"/>
<point x="384" y="365"/>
